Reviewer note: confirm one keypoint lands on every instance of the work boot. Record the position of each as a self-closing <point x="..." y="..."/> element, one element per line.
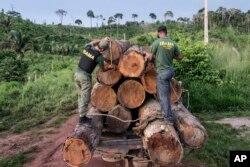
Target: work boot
<point x="85" y="121"/>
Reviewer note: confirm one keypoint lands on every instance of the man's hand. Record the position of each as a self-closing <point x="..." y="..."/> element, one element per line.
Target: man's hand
<point x="148" y="56"/>
<point x="107" y="38"/>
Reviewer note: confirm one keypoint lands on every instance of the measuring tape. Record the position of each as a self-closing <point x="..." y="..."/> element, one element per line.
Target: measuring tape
<point x="110" y="52"/>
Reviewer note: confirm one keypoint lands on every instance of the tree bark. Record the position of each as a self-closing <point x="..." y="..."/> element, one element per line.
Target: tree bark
<point x="79" y="148"/>
<point x="148" y="79"/>
<point x="159" y="139"/>
<point x="103" y="97"/>
<point x="115" y="125"/>
<point x="117" y="49"/>
<point x="132" y="63"/>
<point x="131" y="94"/>
<point x="109" y="78"/>
<point x="191" y="132"/>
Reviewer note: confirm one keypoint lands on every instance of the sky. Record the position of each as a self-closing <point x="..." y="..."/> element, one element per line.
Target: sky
<point x="42" y="11"/>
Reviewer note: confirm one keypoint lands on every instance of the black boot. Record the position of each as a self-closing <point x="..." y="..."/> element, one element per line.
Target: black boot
<point x="85" y="120"/>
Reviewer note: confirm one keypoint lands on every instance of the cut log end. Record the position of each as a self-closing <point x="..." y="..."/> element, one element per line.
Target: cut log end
<point x="131" y="94"/>
<point x="110" y="77"/>
<point x="103" y="97"/>
<point x="132" y="64"/>
<point x="175" y="91"/>
<point x="115" y="125"/>
<point x="76" y="152"/>
<point x="148" y="79"/>
<point x="164" y="149"/>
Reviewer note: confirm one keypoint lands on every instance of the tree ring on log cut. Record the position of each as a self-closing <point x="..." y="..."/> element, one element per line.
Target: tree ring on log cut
<point x="131" y="94"/>
<point x="109" y="78"/>
<point x="103" y="97"/>
<point x="115" y="125"/>
<point x="131" y="64"/>
<point x="75" y="152"/>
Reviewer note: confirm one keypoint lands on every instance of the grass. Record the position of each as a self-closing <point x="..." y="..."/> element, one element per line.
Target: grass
<point x="19" y="159"/>
<point x="221" y="140"/>
<point x="49" y="91"/>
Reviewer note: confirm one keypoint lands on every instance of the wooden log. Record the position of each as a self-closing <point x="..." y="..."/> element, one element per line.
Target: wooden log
<point x="109" y="78"/>
<point x="148" y="79"/>
<point x="79" y="148"/>
<point x="159" y="139"/>
<point x="132" y="62"/>
<point x="103" y="97"/>
<point x="115" y="125"/>
<point x="118" y="47"/>
<point x="192" y="134"/>
<point x="175" y="91"/>
<point x="131" y="94"/>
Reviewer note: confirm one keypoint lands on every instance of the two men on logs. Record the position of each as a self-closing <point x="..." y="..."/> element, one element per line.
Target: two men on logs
<point x="163" y="51"/>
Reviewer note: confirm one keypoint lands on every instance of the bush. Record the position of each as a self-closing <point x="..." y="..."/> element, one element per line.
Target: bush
<point x="12" y="68"/>
<point x="196" y="64"/>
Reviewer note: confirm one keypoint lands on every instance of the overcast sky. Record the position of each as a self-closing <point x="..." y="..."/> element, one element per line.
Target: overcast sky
<point x="44" y="10"/>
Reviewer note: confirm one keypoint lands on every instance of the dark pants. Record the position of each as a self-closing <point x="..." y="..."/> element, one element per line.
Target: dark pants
<point x="163" y="91"/>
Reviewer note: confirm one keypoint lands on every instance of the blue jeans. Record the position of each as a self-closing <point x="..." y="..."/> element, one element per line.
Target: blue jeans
<point x="163" y="91"/>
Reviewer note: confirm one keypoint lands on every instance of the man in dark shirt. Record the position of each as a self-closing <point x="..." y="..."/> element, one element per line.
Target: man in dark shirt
<point x="90" y="58"/>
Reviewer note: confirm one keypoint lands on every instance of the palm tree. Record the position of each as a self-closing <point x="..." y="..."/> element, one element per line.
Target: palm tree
<point x="20" y="43"/>
<point x="78" y="21"/>
<point x="61" y="13"/>
<point x="134" y="16"/>
<point x="6" y="24"/>
<point x="91" y="15"/>
<point x="153" y="16"/>
<point x="168" y="14"/>
<point x="118" y="17"/>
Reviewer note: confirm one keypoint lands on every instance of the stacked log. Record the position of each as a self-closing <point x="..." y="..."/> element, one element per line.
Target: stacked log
<point x="159" y="139"/>
<point x="127" y="89"/>
<point x="79" y="148"/>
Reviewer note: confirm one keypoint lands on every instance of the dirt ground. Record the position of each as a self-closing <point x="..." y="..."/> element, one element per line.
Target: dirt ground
<point x="48" y="141"/>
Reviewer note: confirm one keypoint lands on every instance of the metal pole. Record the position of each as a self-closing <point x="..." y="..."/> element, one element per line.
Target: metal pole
<point x="206" y="23"/>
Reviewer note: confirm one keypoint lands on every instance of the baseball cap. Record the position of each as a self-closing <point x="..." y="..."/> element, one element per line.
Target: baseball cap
<point x="104" y="44"/>
<point x="162" y="28"/>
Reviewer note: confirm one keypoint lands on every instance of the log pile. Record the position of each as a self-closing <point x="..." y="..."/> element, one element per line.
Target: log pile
<point x="129" y="90"/>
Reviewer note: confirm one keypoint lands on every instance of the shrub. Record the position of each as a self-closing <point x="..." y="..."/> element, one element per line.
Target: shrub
<point x="12" y="68"/>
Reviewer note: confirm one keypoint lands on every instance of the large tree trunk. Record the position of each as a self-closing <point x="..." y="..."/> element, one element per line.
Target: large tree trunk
<point x="131" y="94"/>
<point x="109" y="78"/>
<point x="132" y="62"/>
<point x="79" y="148"/>
<point x="159" y="139"/>
<point x="115" y="125"/>
<point x="103" y="97"/>
<point x="117" y="49"/>
<point x="148" y="79"/>
<point x="191" y="132"/>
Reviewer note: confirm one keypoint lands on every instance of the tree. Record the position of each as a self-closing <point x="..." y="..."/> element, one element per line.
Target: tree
<point x="78" y="21"/>
<point x="134" y="16"/>
<point x="98" y="17"/>
<point x="61" y="13"/>
<point x="6" y="24"/>
<point x="168" y="14"/>
<point x="91" y="15"/>
<point x="118" y="17"/>
<point x="153" y="16"/>
<point x="20" y="43"/>
<point x="13" y="13"/>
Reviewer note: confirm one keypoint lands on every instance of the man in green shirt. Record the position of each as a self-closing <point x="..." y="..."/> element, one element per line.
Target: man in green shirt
<point x="90" y="58"/>
<point x="164" y="50"/>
